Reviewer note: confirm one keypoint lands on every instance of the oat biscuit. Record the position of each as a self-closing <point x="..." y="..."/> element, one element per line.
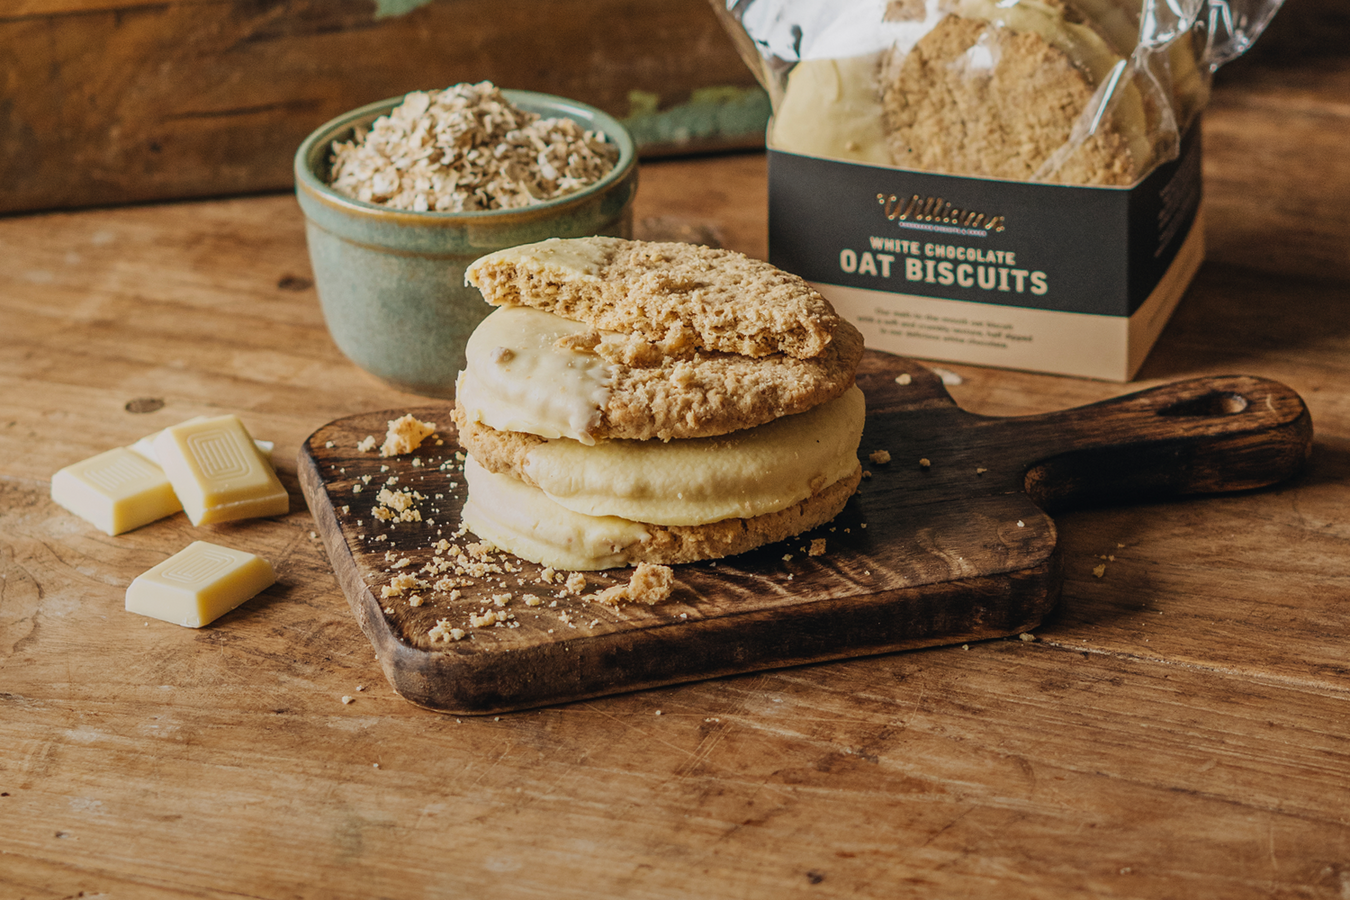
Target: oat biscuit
<point x="665" y="545"/>
<point x="665" y="396"/>
<point x="975" y="99"/>
<point x="686" y="482"/>
<point x="679" y="297"/>
<point x="672" y="545"/>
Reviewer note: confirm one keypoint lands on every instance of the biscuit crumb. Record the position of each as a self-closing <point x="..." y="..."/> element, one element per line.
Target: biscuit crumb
<point x="366" y="444"/>
<point x="1027" y="636"/>
<point x="405" y="435"/>
<point x="817" y="547"/>
<point x="490" y="617"/>
<point x="398" y="585"/>
<point x="346" y="699"/>
<point x="925" y="463"/>
<point x="443" y="631"/>
<point x="650" y="584"/>
<point x="879" y="457"/>
<point x="1099" y="571"/>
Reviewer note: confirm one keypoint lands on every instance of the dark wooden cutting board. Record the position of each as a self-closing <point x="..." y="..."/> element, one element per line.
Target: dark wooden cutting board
<point x="951" y="541"/>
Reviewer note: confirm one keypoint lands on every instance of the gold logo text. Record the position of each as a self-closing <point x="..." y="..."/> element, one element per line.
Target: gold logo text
<point x="936" y="211"/>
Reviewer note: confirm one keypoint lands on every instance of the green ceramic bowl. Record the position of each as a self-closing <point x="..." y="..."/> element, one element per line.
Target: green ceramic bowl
<point x="391" y="282"/>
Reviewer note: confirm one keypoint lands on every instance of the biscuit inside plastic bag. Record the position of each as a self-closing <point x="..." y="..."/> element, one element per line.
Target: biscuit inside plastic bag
<point x="1087" y="92"/>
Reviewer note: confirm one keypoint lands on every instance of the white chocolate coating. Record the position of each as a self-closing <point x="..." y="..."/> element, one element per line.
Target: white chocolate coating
<point x="516" y="380"/>
<point x="703" y="480"/>
<point x="522" y="520"/>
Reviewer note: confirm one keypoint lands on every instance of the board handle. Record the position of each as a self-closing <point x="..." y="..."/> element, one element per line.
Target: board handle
<point x="1204" y="435"/>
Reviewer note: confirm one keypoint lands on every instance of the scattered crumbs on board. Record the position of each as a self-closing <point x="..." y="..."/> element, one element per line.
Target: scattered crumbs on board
<point x="435" y="569"/>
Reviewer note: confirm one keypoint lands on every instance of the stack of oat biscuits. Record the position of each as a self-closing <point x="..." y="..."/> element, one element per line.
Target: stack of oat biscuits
<point x="634" y="402"/>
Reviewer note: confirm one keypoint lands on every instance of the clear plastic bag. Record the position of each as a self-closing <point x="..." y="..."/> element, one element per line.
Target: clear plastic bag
<point x="1094" y="92"/>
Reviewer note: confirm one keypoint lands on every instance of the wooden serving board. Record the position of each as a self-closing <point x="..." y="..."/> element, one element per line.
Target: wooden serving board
<point x="949" y="542"/>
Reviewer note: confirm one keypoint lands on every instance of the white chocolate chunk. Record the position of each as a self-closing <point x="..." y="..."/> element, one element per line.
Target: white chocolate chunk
<point x="523" y="520"/>
<point x="146" y="445"/>
<point x="699" y="481"/>
<point x="218" y="472"/>
<point x="115" y="491"/>
<point x="199" y="584"/>
<point x="515" y="379"/>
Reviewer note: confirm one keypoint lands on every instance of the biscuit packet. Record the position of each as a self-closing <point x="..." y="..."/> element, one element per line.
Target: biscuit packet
<point x="1001" y="182"/>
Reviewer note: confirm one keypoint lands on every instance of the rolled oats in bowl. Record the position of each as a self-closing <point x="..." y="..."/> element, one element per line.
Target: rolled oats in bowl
<point x="401" y="195"/>
<point x="468" y="148"/>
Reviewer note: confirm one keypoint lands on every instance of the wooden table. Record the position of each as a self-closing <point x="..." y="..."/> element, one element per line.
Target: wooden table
<point x="1180" y="726"/>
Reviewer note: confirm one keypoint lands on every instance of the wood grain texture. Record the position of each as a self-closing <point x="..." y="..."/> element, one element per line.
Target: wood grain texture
<point x="1280" y="118"/>
<point x="119" y="102"/>
<point x="1180" y="727"/>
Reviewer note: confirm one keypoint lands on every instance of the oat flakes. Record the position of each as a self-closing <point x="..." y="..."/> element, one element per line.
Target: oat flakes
<point x="467" y="148"/>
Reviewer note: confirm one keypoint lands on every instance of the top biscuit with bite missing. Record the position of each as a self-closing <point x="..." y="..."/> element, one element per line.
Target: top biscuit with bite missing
<point x="534" y="372"/>
<point x="679" y="297"/>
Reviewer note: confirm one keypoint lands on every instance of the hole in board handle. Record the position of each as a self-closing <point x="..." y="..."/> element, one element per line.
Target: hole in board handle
<point x="1213" y="404"/>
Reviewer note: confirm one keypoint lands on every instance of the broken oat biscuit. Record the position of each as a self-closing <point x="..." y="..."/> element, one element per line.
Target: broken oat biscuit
<point x="682" y="297"/>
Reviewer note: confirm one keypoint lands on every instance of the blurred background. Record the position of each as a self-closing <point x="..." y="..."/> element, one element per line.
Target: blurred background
<point x="108" y="102"/>
<point x="117" y="101"/>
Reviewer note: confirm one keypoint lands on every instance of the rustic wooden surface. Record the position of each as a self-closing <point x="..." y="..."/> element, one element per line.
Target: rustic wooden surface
<point x="117" y="101"/>
<point x="959" y="549"/>
<point x="1180" y="727"/>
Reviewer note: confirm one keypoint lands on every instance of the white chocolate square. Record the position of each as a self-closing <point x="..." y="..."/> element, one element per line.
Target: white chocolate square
<point x="146" y="445"/>
<point x="199" y="584"/>
<point x="115" y="491"/>
<point x="218" y="472"/>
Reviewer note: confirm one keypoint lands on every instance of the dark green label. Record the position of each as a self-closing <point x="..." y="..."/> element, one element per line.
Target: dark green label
<point x="1073" y="249"/>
